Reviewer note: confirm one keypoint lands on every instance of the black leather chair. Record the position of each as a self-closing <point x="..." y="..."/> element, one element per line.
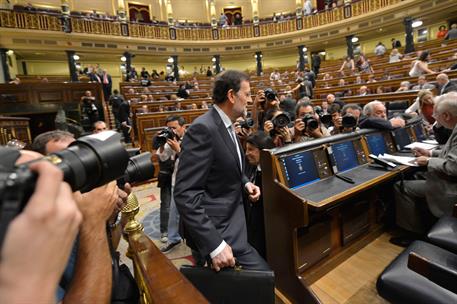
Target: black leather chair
<point x="423" y="273"/>
<point x="444" y="233"/>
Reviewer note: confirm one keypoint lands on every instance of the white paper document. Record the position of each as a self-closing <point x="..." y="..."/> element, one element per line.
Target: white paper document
<point x="402" y="160"/>
<point x="422" y="145"/>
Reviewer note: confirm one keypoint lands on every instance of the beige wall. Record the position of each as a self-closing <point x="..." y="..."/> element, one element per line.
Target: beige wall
<point x="268" y="7"/>
<point x="192" y="10"/>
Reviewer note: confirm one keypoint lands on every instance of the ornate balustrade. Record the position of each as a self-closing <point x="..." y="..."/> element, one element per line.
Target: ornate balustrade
<point x="52" y="22"/>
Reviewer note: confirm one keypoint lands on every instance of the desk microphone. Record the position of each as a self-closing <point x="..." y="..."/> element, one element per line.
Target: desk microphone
<point x="345" y="178"/>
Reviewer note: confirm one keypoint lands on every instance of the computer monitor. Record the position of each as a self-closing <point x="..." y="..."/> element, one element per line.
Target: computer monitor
<point x="299" y="169"/>
<point x="376" y="144"/>
<point x="401" y="138"/>
<point x="419" y="131"/>
<point x="344" y="156"/>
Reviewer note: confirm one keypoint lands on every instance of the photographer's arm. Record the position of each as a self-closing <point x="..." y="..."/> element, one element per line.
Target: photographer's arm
<point x="39" y="240"/>
<point x="92" y="279"/>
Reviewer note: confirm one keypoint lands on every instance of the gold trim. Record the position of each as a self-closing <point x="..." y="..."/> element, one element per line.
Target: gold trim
<point x="127" y="9"/>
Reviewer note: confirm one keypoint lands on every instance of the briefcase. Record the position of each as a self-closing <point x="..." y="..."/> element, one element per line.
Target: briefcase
<point x="232" y="285"/>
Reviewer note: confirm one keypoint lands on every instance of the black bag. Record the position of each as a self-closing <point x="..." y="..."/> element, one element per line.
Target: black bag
<point x="232" y="285"/>
<point x="125" y="289"/>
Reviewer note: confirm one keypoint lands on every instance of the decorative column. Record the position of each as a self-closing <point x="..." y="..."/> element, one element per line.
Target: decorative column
<point x="302" y="58"/>
<point x="121" y="11"/>
<point x="255" y="11"/>
<point x="216" y="63"/>
<point x="72" y="57"/>
<point x="350" y="46"/>
<point x="258" y="56"/>
<point x="66" y="20"/>
<point x="4" y="69"/>
<point x="212" y="13"/>
<point x="409" y="39"/>
<point x="171" y="20"/>
<point x="128" y="65"/>
<point x="175" y="68"/>
<point x="299" y="14"/>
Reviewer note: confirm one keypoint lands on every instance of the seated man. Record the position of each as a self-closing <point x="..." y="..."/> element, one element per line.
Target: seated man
<point x="422" y="84"/>
<point x="420" y="202"/>
<point x="376" y="117"/>
<point x="99" y="126"/>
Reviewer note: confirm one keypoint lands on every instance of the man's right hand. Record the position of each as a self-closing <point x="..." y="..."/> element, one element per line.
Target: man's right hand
<point x="268" y="126"/>
<point x="422" y="152"/>
<point x="397" y="122"/>
<point x="224" y="259"/>
<point x="299" y="126"/>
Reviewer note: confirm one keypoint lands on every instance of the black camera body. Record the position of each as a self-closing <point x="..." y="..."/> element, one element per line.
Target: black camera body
<point x="281" y="120"/>
<point x="326" y="119"/>
<point x="270" y="94"/>
<point x="310" y="122"/>
<point x="164" y="135"/>
<point x="247" y="123"/>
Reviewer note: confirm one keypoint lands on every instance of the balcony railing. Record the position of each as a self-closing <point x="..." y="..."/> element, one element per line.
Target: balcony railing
<point x="54" y="22"/>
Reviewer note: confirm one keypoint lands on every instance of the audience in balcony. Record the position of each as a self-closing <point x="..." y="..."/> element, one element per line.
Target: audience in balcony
<point x="307" y="8"/>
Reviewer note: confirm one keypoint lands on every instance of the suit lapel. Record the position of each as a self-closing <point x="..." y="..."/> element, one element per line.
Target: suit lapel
<point x="223" y="132"/>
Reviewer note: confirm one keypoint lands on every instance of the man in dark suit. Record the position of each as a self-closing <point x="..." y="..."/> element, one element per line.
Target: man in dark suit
<point x="445" y="86"/>
<point x="107" y="84"/>
<point x="210" y="181"/>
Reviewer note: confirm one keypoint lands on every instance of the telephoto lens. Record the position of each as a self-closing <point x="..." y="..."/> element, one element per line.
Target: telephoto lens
<point x="139" y="169"/>
<point x="281" y="120"/>
<point x="349" y="121"/>
<point x="310" y="122"/>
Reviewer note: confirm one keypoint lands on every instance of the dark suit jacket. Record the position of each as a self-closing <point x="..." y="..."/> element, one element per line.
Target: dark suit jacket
<point x="209" y="187"/>
<point x="375" y="123"/>
<point x="448" y="87"/>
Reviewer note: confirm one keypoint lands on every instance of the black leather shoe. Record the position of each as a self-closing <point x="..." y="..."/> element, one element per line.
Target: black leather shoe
<point x="402" y="241"/>
<point x="169" y="247"/>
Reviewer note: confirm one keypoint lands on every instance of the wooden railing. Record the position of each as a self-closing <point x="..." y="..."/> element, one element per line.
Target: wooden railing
<point x="158" y="280"/>
<point x="52" y="22"/>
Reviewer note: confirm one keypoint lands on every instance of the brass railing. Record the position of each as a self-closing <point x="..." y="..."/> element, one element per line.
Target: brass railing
<point x="51" y="22"/>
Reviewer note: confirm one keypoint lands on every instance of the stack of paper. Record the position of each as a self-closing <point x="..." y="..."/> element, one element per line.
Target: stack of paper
<point x="421" y="145"/>
<point x="402" y="160"/>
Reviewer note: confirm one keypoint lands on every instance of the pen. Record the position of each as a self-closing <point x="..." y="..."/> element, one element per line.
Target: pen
<point x="345" y="178"/>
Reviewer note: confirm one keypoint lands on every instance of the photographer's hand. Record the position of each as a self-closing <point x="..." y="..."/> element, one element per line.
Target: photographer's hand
<point x="39" y="240"/>
<point x="268" y="126"/>
<point x="174" y="144"/>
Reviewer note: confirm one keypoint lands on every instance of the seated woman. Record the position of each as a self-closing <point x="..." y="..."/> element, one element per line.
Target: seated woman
<point x="364" y="65"/>
<point x="420" y="66"/>
<point x="423" y="106"/>
<point x="348" y="63"/>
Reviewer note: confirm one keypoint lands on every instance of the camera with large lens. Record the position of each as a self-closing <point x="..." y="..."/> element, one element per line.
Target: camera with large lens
<point x="349" y="121"/>
<point x="165" y="134"/>
<point x="281" y="120"/>
<point x="270" y="94"/>
<point x="140" y="168"/>
<point x="88" y="163"/>
<point x="310" y="122"/>
<point x="247" y="123"/>
<point x="326" y="119"/>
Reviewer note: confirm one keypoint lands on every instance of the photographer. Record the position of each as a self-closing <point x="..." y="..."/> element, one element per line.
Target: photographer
<point x="34" y="252"/>
<point x="170" y="147"/>
<point x="89" y="110"/>
<point x="88" y="275"/>
<point x="308" y="125"/>
<point x="264" y="101"/>
<point x="243" y="128"/>
<point x="276" y="125"/>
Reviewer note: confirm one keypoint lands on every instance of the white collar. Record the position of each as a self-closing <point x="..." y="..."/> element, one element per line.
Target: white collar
<point x="225" y="119"/>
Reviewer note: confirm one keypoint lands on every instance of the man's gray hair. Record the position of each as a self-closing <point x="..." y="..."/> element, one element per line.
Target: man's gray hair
<point x="368" y="109"/>
<point x="39" y="143"/>
<point x="446" y="103"/>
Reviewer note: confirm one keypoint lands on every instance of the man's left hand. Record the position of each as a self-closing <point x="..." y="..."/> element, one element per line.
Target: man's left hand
<point x="253" y="191"/>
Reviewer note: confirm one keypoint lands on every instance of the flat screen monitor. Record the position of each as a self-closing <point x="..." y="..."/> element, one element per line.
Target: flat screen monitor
<point x="344" y="156"/>
<point x="376" y="144"/>
<point x="419" y="131"/>
<point x="299" y="169"/>
<point x="401" y="138"/>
